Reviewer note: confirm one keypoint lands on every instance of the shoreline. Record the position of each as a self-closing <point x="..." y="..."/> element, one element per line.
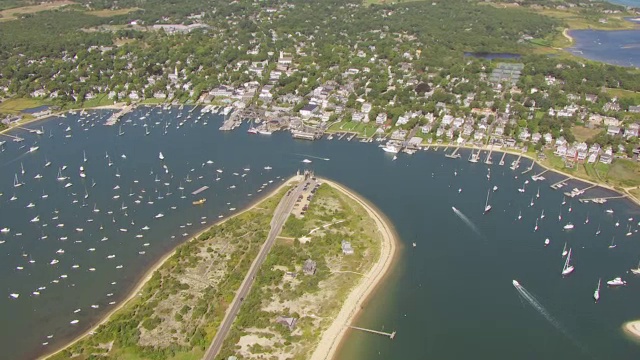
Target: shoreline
<point x="632" y="328"/>
<point x="335" y="334"/>
<point x="156" y="265"/>
<point x="565" y="33"/>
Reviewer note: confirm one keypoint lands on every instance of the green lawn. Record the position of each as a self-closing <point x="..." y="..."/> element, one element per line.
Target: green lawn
<point x="15" y="105"/>
<point x="99" y="100"/>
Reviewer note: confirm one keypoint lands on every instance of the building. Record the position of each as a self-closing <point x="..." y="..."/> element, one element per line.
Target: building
<point x="309" y="267"/>
<point x="308" y="110"/>
<point x="346" y="248"/>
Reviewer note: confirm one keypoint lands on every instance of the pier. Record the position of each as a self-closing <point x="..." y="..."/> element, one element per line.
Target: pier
<point x="533" y="163"/>
<point x="516" y="163"/>
<point x="454" y="154"/>
<point x="537" y="177"/>
<point x="113" y="119"/>
<point x="502" y="158"/>
<point x="232" y="122"/>
<point x="15" y="138"/>
<point x="488" y="160"/>
<point x="200" y="190"/>
<point x="602" y="200"/>
<point x="559" y="184"/>
<point x="390" y="335"/>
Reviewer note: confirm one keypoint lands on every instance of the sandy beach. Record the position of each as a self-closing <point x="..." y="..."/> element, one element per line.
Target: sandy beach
<point x="565" y="33"/>
<point x="149" y="274"/>
<point x="333" y="336"/>
<point x="632" y="328"/>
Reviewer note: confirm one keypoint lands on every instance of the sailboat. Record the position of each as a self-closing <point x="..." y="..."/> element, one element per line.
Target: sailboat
<point x="16" y="183"/>
<point x="564" y="250"/>
<point x="598" y="231"/>
<point x="22" y="168"/>
<point x="520" y="215"/>
<point x="596" y="294"/>
<point x="487" y="207"/>
<point x="536" y="227"/>
<point x="538" y="194"/>
<point x="531" y="203"/>
<point x="120" y="132"/>
<point x="542" y="215"/>
<point x="568" y="268"/>
<point x="629" y="231"/>
<point x="160" y="156"/>
<point x="612" y="243"/>
<point x="84" y="156"/>
<point x="636" y="271"/>
<point x="47" y="163"/>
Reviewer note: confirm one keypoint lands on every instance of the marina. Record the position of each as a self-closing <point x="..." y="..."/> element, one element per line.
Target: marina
<point x="89" y="243"/>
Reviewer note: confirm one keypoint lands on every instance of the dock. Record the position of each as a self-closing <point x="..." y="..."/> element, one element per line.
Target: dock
<point x="559" y="184"/>
<point x="502" y="158"/>
<point x="232" y="122"/>
<point x="488" y="160"/>
<point x="533" y="163"/>
<point x="537" y="177"/>
<point x="516" y="163"/>
<point x="474" y="157"/>
<point x="602" y="200"/>
<point x="454" y="154"/>
<point x="390" y="335"/>
<point x="200" y="190"/>
<point x="303" y="135"/>
<point x="113" y="119"/>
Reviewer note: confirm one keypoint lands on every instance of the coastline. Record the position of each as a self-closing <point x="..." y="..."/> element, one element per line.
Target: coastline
<point x="149" y="273"/>
<point x="334" y="335"/>
<point x="565" y="33"/>
<point x="632" y="328"/>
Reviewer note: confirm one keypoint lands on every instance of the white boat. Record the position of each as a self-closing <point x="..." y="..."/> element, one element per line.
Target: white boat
<point x="35" y="219"/>
<point x="495" y="188"/>
<point x="568" y="268"/>
<point x="520" y="215"/>
<point x="636" y="271"/>
<point x="160" y="156"/>
<point x="596" y="294"/>
<point x="5" y="230"/>
<point x="33" y="149"/>
<point x="159" y="215"/>
<point x="391" y="149"/>
<point x="612" y="243"/>
<point x="487" y="207"/>
<point x="546" y="241"/>
<point x="306" y="161"/>
<point x="616" y="282"/>
<point x="609" y="211"/>
<point x="265" y="132"/>
<point x="14" y="295"/>
<point x="535" y="228"/>
<point x="73" y="322"/>
<point x="598" y="231"/>
<point x="569" y="226"/>
<point x="268" y="168"/>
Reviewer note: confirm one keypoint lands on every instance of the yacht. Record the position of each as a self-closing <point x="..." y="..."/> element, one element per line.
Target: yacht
<point x="160" y="156"/>
<point x="306" y="161"/>
<point x="252" y="130"/>
<point x="159" y="215"/>
<point x="568" y="268"/>
<point x="616" y="282"/>
<point x="265" y="132"/>
<point x="391" y="149"/>
<point x="546" y="242"/>
<point x="569" y="226"/>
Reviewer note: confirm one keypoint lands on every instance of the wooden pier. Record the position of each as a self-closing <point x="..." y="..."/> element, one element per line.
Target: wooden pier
<point x="602" y="200"/>
<point x="533" y="163"/>
<point x="113" y="119"/>
<point x="390" y="335"/>
<point x="488" y="160"/>
<point x="537" y="177"/>
<point x="560" y="184"/>
<point x="502" y="158"/>
<point x="516" y="163"/>
<point x="454" y="154"/>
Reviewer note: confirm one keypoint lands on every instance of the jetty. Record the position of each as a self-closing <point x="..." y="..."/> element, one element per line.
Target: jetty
<point x="488" y="160"/>
<point x="200" y="190"/>
<point x="502" y="158"/>
<point x="533" y="163"/>
<point x="516" y="163"/>
<point x="390" y="335"/>
<point x="113" y="119"/>
<point x="559" y="184"/>
<point x="304" y="135"/>
<point x="575" y="192"/>
<point x="454" y="154"/>
<point x="474" y="157"/>
<point x="232" y="122"/>
<point x="601" y="200"/>
<point x="537" y="177"/>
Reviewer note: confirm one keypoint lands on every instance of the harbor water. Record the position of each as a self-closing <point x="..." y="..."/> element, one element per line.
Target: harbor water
<point x="449" y="297"/>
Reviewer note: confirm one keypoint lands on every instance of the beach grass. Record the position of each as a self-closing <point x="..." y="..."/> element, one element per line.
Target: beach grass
<point x="583" y="133"/>
<point x="15" y="105"/>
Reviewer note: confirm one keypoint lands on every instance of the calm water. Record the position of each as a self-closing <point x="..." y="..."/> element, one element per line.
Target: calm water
<point x="450" y="297"/>
<point x="612" y="47"/>
<point x="634" y="3"/>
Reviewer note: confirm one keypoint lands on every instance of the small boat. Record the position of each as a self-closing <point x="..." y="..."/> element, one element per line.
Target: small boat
<point x="612" y="243"/>
<point x="306" y="161"/>
<point x="535" y="228"/>
<point x="495" y="188"/>
<point x="568" y="268"/>
<point x="609" y="211"/>
<point x="569" y="226"/>
<point x="546" y="242"/>
<point x="598" y="231"/>
<point x="159" y="215"/>
<point x="73" y="322"/>
<point x="487" y="207"/>
<point x="16" y="183"/>
<point x="252" y="130"/>
<point x="596" y="294"/>
<point x="616" y="282"/>
<point x="14" y="295"/>
<point x="33" y="149"/>
<point x="268" y="168"/>
<point x="520" y="215"/>
<point x="636" y="271"/>
<point x="199" y="202"/>
<point x="160" y="156"/>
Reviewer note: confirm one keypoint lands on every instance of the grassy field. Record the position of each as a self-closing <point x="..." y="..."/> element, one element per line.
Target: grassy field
<point x="14" y="106"/>
<point x="13" y="13"/>
<point x="582" y="133"/>
<point x="577" y="21"/>
<point x="110" y="13"/>
<point x="621" y="93"/>
<point x="99" y="100"/>
<point x="352" y="126"/>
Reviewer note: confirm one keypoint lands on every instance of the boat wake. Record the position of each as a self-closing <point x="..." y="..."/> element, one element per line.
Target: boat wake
<point x="525" y="294"/>
<point x="466" y="220"/>
<point x="314" y="157"/>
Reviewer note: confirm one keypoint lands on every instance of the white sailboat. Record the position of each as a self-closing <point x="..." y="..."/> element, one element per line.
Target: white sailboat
<point x="564" y="250"/>
<point x="536" y="227"/>
<point x="120" y="132"/>
<point x="16" y="183"/>
<point x="598" y="231"/>
<point x="596" y="294"/>
<point x="612" y="243"/>
<point x="160" y="156"/>
<point x="487" y="207"/>
<point x="520" y="215"/>
<point x="84" y="156"/>
<point x="542" y="215"/>
<point x="568" y="268"/>
<point x="636" y="271"/>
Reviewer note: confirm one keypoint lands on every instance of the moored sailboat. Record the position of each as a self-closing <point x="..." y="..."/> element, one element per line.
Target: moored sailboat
<point x="568" y="268"/>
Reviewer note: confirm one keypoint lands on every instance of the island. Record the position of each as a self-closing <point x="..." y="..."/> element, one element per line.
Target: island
<point x="334" y="249"/>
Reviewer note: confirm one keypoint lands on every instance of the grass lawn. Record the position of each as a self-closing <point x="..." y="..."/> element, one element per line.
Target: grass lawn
<point x="153" y="101"/>
<point x="14" y="106"/>
<point x="110" y="13"/>
<point x="582" y="133"/>
<point x="99" y="100"/>
<point x="621" y="93"/>
<point x="625" y="172"/>
<point x="13" y="13"/>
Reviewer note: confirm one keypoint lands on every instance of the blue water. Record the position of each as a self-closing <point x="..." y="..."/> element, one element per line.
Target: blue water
<point x="612" y="47"/>
<point x="633" y="3"/>
<point x="450" y="297"/>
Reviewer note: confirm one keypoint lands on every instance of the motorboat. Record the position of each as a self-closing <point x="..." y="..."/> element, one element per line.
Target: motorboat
<point x="616" y="282"/>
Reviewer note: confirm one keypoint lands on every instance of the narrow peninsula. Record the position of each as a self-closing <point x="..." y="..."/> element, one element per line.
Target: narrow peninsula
<point x="334" y="248"/>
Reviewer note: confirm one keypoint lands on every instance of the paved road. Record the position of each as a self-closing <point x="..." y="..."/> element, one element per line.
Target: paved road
<point x="277" y="222"/>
